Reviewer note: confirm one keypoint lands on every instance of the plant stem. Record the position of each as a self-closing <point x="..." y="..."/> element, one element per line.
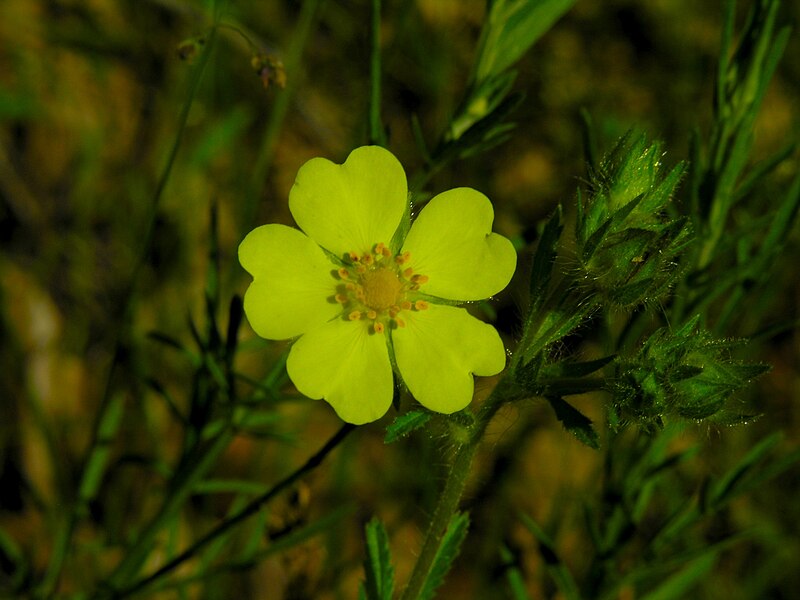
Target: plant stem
<point x="98" y="450"/>
<point x="449" y="499"/>
<point x="294" y="56"/>
<point x="248" y="511"/>
<point x="376" y="132"/>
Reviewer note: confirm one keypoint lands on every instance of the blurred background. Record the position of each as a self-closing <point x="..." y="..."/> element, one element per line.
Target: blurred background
<point x="91" y="93"/>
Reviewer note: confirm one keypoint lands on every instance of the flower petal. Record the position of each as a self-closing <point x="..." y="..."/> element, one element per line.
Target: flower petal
<point x="347" y="366"/>
<point x="452" y="243"/>
<point x="439" y="349"/>
<point x="350" y="207"/>
<point x="293" y="286"/>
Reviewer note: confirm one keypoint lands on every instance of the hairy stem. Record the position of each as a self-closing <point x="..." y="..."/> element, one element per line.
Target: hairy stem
<point x="449" y="499"/>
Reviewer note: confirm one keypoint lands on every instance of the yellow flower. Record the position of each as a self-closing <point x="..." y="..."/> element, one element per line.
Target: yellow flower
<point x="363" y="303"/>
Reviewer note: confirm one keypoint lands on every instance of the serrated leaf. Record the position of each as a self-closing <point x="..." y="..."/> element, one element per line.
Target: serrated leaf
<point x="405" y="424"/>
<point x="545" y="257"/>
<point x="557" y="324"/>
<point x="575" y="422"/>
<point x="446" y="554"/>
<point x="378" y="568"/>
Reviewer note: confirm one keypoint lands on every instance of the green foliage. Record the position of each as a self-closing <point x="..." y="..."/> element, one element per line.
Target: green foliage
<point x="627" y="246"/>
<point x="379" y="584"/>
<point x="555" y="566"/>
<point x="575" y="422"/>
<point x="685" y="374"/>
<point x="405" y="424"/>
<point x="445" y="554"/>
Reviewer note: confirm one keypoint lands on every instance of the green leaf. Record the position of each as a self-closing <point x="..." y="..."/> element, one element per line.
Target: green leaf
<point x="553" y="563"/>
<point x="446" y="554"/>
<point x="595" y="238"/>
<point x="557" y="324"/>
<point x="379" y="584"/>
<point x="101" y="448"/>
<point x="681" y="583"/>
<point x="511" y="28"/>
<point x="545" y="258"/>
<point x="577" y="369"/>
<point x="733" y="483"/>
<point x="516" y="581"/>
<point x="405" y="424"/>
<point x="575" y="421"/>
<point x="228" y="486"/>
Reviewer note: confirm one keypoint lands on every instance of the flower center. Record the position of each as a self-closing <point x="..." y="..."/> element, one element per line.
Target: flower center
<point x="381" y="288"/>
<point x="377" y="288"/>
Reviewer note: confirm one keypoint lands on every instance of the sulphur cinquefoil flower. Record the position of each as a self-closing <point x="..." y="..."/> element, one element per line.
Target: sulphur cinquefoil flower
<point x="362" y="302"/>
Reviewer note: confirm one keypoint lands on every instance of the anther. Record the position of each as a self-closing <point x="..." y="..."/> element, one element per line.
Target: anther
<point x="355" y="315"/>
<point x="354" y="257"/>
<point x="402" y="258"/>
<point x="400" y="322"/>
<point x="421" y="305"/>
<point x="343" y="273"/>
<point x="361" y="269"/>
<point x="368" y="259"/>
<point x="420" y="279"/>
<point x="371" y="314"/>
<point x="408" y="273"/>
<point x="378" y="327"/>
<point x="405" y="305"/>
<point x="341" y="298"/>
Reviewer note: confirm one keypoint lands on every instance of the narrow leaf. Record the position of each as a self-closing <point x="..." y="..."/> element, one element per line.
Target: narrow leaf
<point x="405" y="424"/>
<point x="575" y="421"/>
<point x="378" y="568"/>
<point x="679" y="585"/>
<point x="516" y="581"/>
<point x="446" y="554"/>
<point x="545" y="257"/>
<point x="553" y="563"/>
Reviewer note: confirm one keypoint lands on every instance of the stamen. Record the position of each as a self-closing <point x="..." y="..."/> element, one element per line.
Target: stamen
<point x="368" y="259"/>
<point x="408" y="273"/>
<point x="400" y="322"/>
<point x="341" y="298"/>
<point x="402" y="258"/>
<point x="421" y="305"/>
<point x="371" y="314"/>
<point x="354" y="257"/>
<point x="405" y="305"/>
<point x="378" y="327"/>
<point x="343" y="273"/>
<point x="355" y="315"/>
<point x="420" y="279"/>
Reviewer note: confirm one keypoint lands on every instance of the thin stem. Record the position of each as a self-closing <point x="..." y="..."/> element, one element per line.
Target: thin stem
<point x="248" y="511"/>
<point x="79" y="508"/>
<point x="266" y="153"/>
<point x="376" y="132"/>
<point x="450" y="497"/>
